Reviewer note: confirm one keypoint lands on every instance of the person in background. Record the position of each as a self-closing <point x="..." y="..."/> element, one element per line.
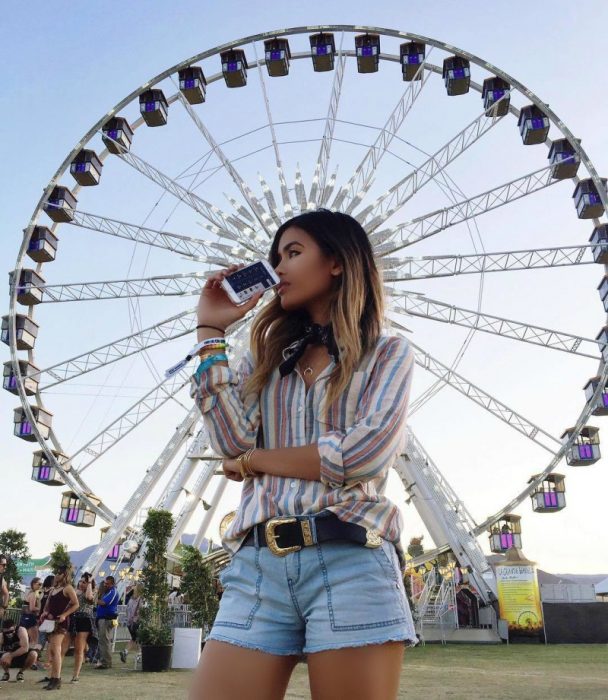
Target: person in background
<point x="29" y="618"/>
<point x="175" y="597"/>
<point x="133" y="611"/>
<point x="93" y="652"/>
<point x="82" y="622"/>
<point x="60" y="604"/>
<point x="14" y="650"/>
<point x="107" y="612"/>
<point x="3" y="586"/>
<point x="47" y="584"/>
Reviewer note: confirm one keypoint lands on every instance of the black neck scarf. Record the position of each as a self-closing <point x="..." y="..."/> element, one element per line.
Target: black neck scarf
<point x="314" y="334"/>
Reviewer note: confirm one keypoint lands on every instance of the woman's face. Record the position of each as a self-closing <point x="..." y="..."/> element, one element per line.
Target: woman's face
<point x="306" y="273"/>
<point x="36" y="585"/>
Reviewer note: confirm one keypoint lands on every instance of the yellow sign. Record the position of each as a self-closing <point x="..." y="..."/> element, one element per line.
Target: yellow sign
<point x="519" y="598"/>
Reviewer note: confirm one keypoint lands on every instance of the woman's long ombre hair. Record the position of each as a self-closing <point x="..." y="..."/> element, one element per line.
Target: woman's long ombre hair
<point x="356" y="302"/>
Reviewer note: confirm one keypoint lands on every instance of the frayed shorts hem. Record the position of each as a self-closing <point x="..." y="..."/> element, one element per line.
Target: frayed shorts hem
<point x="255" y="647"/>
<point x="312" y="650"/>
<point x="347" y="645"/>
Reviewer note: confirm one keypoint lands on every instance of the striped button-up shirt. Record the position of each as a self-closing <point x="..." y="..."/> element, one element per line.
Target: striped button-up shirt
<point x="358" y="440"/>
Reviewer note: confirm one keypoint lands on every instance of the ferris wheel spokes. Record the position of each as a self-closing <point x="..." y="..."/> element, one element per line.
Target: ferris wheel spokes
<point x="219" y="222"/>
<point x="484" y="399"/>
<point x="432" y="223"/>
<point x="258" y="210"/>
<point x="506" y="261"/>
<point x="169" y="329"/>
<point x="180" y="284"/>
<point x="350" y="195"/>
<point x="193" y="500"/>
<point x="141" y="493"/>
<point x="320" y="171"/>
<point x="420" y="305"/>
<point x="402" y="191"/>
<point x="136" y="414"/>
<point x="186" y="246"/>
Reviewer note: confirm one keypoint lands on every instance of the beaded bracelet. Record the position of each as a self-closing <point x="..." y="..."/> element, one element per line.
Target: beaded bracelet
<point x="211" y="353"/>
<point x="210" y="348"/>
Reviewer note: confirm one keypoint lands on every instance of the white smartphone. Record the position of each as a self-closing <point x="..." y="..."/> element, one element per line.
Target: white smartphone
<point x="244" y="283"/>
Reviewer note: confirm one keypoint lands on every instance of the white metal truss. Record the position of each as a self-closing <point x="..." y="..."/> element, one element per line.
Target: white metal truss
<point x="395" y="238"/>
<point x="215" y="499"/>
<point x="191" y="503"/>
<point x="328" y="189"/>
<point x="506" y="261"/>
<point x="287" y="206"/>
<point x="132" y="417"/>
<point x="136" y="501"/>
<point x="165" y="285"/>
<point x="401" y="192"/>
<point x="423" y="307"/>
<point x="320" y="175"/>
<point x="220" y="223"/>
<point x="271" y="202"/>
<point x="485" y="400"/>
<point x="351" y="194"/>
<point x="258" y="210"/>
<point x="193" y="248"/>
<point x="175" y="327"/>
<point x="300" y="190"/>
<point x="443" y="513"/>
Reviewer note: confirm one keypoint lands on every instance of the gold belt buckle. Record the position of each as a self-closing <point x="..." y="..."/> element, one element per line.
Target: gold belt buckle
<point x="271" y="536"/>
<point x="372" y="538"/>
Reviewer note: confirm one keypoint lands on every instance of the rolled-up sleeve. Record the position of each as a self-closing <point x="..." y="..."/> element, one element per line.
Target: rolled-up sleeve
<point x="370" y="446"/>
<point x="232" y="419"/>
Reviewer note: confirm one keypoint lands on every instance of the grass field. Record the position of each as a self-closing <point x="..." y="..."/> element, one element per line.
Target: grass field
<point x="456" y="672"/>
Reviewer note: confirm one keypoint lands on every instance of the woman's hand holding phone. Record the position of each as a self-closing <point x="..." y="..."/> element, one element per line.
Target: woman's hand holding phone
<point x="215" y="308"/>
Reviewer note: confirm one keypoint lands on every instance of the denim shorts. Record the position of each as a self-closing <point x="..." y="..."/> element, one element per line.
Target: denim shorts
<point x="325" y="596"/>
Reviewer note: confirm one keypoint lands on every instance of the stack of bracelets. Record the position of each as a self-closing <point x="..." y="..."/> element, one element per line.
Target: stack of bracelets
<point x="211" y="351"/>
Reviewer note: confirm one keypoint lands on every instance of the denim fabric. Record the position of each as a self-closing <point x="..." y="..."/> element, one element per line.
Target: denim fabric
<point x="326" y="596"/>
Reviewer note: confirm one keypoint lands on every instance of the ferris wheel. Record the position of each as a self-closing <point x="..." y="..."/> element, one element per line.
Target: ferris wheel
<point x="197" y="168"/>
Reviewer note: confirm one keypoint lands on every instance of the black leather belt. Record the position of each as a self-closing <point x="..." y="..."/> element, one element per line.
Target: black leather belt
<point x="294" y="533"/>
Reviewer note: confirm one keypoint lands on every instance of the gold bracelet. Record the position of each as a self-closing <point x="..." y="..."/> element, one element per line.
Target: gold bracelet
<point x="244" y="461"/>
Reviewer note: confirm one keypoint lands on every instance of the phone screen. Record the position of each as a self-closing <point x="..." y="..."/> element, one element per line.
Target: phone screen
<point x="251" y="279"/>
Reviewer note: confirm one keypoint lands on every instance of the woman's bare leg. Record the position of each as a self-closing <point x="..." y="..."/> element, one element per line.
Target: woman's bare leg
<point x="230" y="672"/>
<point x="79" y="645"/>
<point x="56" y="654"/>
<point x="356" y="673"/>
<point x="32" y="635"/>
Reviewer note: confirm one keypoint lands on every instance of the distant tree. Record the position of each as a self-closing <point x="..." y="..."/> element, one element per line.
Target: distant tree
<point x="197" y="584"/>
<point x="59" y="556"/>
<point x="415" y="548"/>
<point x="13" y="545"/>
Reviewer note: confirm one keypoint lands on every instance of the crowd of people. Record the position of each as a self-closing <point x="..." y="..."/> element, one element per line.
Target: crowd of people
<point x="57" y="617"/>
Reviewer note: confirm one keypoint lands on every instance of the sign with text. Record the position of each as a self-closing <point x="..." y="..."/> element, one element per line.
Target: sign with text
<point x="519" y="598"/>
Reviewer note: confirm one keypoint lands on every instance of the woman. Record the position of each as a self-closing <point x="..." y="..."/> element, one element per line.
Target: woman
<point x="47" y="585"/>
<point x="310" y="423"/>
<point x="133" y="613"/>
<point x="29" y="619"/>
<point x="93" y="652"/>
<point x="82" y="622"/>
<point x="60" y="604"/>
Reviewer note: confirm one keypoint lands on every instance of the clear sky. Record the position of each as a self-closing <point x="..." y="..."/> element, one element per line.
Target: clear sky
<point x="65" y="64"/>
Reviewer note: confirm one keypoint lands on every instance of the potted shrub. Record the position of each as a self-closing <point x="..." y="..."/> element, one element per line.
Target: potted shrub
<point x="154" y="632"/>
<point x="198" y="586"/>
